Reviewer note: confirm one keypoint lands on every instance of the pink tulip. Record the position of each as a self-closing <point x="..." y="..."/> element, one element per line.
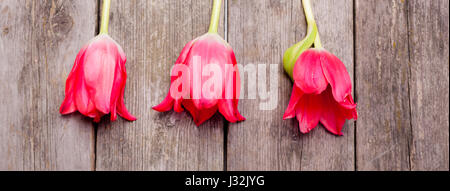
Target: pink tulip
<point x="199" y="54"/>
<point x="322" y="92"/>
<point x="203" y="95"/>
<point x="322" y="87"/>
<point x="96" y="84"/>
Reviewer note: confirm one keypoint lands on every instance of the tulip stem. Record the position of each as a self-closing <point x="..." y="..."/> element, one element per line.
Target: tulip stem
<point x="105" y="17"/>
<point x="311" y="22"/>
<point x="215" y="16"/>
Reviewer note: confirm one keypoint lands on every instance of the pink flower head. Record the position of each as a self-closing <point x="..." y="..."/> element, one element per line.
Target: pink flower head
<point x="322" y="92"/>
<point x="209" y="81"/>
<point x="96" y="84"/>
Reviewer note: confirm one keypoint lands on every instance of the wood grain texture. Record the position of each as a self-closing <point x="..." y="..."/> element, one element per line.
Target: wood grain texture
<point x="429" y="82"/>
<point x="400" y="50"/>
<point x="382" y="72"/>
<point x="260" y="31"/>
<point x="38" y="44"/>
<point x="322" y="150"/>
<point x="152" y="34"/>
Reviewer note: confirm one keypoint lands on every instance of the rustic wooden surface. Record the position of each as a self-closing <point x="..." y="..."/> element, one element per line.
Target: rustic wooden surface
<point x="395" y="51"/>
<point x="382" y="91"/>
<point x="38" y="43"/>
<point x="152" y="34"/>
<point x="429" y="82"/>
<point x="265" y="141"/>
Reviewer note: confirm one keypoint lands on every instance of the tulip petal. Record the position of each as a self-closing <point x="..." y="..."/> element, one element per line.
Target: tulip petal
<point x="238" y="115"/>
<point x="227" y="110"/>
<point x="99" y="71"/>
<point x="68" y="105"/>
<point x="230" y="111"/>
<point x="177" y="106"/>
<point x="119" y="81"/>
<point x="113" y="112"/>
<point x="308" y="74"/>
<point x="333" y="118"/>
<point x="208" y="50"/>
<point x="72" y="79"/>
<point x="338" y="77"/>
<point x="82" y="101"/>
<point x="122" y="110"/>
<point x="97" y="117"/>
<point x="117" y="96"/>
<point x="348" y="102"/>
<point x="349" y="113"/>
<point x="228" y="106"/>
<point x="295" y="98"/>
<point x="165" y="105"/>
<point x="308" y="111"/>
<point x="200" y="116"/>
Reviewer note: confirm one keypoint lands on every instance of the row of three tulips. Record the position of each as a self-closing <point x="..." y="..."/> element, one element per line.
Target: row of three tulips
<point x="322" y="86"/>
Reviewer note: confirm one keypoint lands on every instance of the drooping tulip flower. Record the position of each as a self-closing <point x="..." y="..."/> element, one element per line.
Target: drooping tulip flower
<point x="322" y="86"/>
<point x="209" y="80"/>
<point x="322" y="92"/>
<point x="96" y="84"/>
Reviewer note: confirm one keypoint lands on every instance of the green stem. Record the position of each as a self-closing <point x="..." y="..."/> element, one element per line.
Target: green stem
<point x="311" y="22"/>
<point x="215" y="16"/>
<point x="317" y="42"/>
<point x="105" y="17"/>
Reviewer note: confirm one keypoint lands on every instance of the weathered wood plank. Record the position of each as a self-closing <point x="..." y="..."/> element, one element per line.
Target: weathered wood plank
<point x="152" y="34"/>
<point x="429" y="82"/>
<point x="383" y="129"/>
<point x="38" y="44"/>
<point x="322" y="150"/>
<point x="260" y="31"/>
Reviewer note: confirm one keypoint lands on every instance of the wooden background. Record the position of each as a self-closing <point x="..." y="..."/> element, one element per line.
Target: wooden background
<point x="396" y="51"/>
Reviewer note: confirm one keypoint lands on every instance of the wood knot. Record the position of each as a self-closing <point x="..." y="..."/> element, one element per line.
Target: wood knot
<point x="59" y="22"/>
<point x="5" y="31"/>
<point x="62" y="23"/>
